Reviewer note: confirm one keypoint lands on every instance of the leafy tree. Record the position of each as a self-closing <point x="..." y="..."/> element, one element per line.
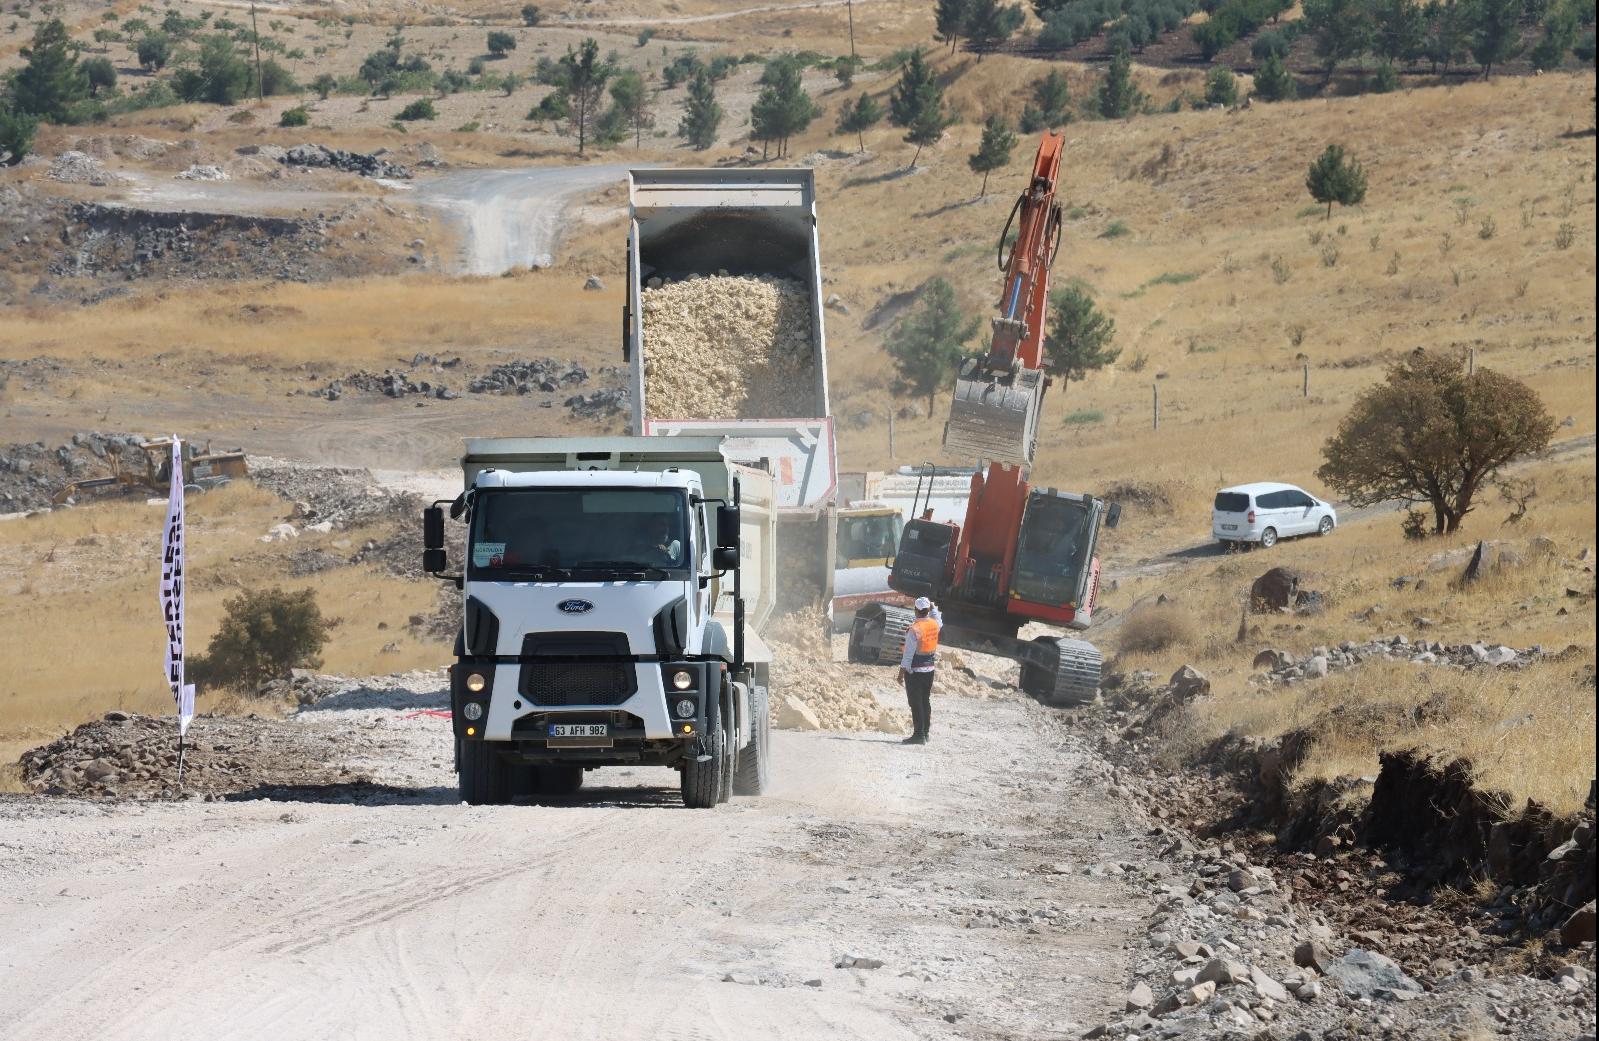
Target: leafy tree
<point x="510" y="83"/>
<point x="1432" y="434"/>
<point x="102" y="75"/>
<point x="325" y="83"/>
<point x="222" y="76"/>
<point x="1559" y="37"/>
<point x="276" y="79"/>
<point x="1398" y="30"/>
<point x="1050" y="106"/>
<point x="1221" y="86"/>
<point x="52" y="81"/>
<point x="860" y="117"/>
<point x="264" y="634"/>
<point x="701" y="114"/>
<point x="1495" y="33"/>
<point x="552" y="107"/>
<point x="949" y="20"/>
<point x="154" y="51"/>
<point x="909" y="96"/>
<point x="530" y="15"/>
<point x="16" y="133"/>
<point x="994" y="151"/>
<point x="681" y="69"/>
<point x="501" y="43"/>
<point x="989" y="24"/>
<point x="844" y="69"/>
<point x="1119" y="97"/>
<point x="1335" y="178"/>
<point x="1448" y="35"/>
<point x="630" y="97"/>
<point x="1341" y="30"/>
<point x="782" y="108"/>
<point x="927" y="345"/>
<point x="421" y="108"/>
<point x="583" y="79"/>
<point x="1273" y="42"/>
<point x="1079" y="337"/>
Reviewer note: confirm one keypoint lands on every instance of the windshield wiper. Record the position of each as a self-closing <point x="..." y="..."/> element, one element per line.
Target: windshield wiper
<point x="538" y="574"/>
<point x="630" y="567"/>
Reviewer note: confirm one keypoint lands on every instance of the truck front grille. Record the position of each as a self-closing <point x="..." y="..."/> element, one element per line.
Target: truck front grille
<point x="577" y="683"/>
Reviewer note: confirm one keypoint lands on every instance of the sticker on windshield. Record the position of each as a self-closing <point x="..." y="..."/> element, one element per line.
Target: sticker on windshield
<point x="488" y="554"/>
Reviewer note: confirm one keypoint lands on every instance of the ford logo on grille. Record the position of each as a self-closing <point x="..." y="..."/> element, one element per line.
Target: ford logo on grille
<point x="575" y="606"/>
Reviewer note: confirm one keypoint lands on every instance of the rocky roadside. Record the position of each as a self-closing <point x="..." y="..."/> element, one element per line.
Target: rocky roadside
<point x="1250" y="939"/>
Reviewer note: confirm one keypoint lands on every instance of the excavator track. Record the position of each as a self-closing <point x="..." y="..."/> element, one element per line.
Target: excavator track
<point x="877" y="635"/>
<point x="1065" y="672"/>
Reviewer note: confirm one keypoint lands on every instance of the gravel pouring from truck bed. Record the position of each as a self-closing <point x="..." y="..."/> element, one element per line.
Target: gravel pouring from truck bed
<point x="729" y="347"/>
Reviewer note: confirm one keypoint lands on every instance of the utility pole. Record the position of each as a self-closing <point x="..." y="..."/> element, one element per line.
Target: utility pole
<point x="851" y="5"/>
<point x="255" y="33"/>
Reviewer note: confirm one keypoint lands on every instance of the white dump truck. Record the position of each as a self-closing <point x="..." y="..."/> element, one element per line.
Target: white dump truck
<point x="723" y="328"/>
<point x="615" y="593"/>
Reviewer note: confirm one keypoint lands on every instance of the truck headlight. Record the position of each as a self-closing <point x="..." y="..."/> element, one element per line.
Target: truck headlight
<point x="682" y="680"/>
<point x="476" y="682"/>
<point x="472" y="710"/>
<point x="685" y="708"/>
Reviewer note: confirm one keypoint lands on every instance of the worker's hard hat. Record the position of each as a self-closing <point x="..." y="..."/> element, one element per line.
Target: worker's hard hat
<point x="923" y="604"/>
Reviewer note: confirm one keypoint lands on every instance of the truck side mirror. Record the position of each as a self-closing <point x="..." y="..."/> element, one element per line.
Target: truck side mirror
<point x="433" y="559"/>
<point x="1113" y="516"/>
<point x="725" y="558"/>
<point x="727" y="525"/>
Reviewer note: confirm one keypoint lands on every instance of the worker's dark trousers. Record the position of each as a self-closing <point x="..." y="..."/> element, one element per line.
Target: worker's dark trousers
<point x="919" y="692"/>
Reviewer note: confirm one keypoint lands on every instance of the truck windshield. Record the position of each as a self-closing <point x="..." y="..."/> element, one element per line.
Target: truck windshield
<point x="1054" y="550"/>
<point x="585" y="533"/>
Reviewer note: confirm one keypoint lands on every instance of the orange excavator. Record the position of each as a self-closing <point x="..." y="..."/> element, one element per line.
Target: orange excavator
<point x="1024" y="554"/>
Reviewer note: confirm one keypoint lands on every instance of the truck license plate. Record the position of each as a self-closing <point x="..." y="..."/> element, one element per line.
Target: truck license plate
<point x="1229" y="527"/>
<point x="580" y="730"/>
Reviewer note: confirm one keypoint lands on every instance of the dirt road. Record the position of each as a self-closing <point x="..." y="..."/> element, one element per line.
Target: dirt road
<point x="390" y="911"/>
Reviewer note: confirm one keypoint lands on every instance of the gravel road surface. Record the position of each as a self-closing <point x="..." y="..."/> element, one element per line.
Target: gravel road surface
<point x="389" y="911"/>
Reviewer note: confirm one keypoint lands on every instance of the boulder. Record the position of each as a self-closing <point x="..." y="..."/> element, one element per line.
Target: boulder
<point x="1367" y="974"/>
<point x="1224" y="972"/>
<point x="1579" y="928"/>
<point x="794" y="714"/>
<point x="1310" y="955"/>
<point x="1487" y="558"/>
<point x="1188" y="683"/>
<point x="1140" y="998"/>
<point x="1272" y="659"/>
<point x="1266" y="987"/>
<point x="1276" y="590"/>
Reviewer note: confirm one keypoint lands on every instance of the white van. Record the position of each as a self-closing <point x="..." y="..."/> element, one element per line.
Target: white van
<point x="1267" y="511"/>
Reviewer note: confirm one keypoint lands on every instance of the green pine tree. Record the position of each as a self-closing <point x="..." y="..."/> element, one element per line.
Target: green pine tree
<point x="989" y="24"/>
<point x="927" y="345"/>
<point x="1342" y="30"/>
<point x="1051" y="104"/>
<point x="1079" y="337"/>
<point x="860" y="117"/>
<point x="1221" y="86"/>
<point x="994" y="151"/>
<point x="915" y="79"/>
<point x="1273" y="81"/>
<point x="52" y="81"/>
<point x="16" y="133"/>
<point x="583" y="75"/>
<point x="701" y="115"/>
<point x="949" y="19"/>
<point x="630" y="99"/>
<point x="782" y="109"/>
<point x="1119" y="97"/>
<point x="1495" y="32"/>
<point x="1335" y="178"/>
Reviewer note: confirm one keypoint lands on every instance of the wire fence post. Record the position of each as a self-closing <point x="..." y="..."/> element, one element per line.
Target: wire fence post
<point x="891" y="454"/>
<point x="1304" y="389"/>
<point x="1471" y="361"/>
<point x="1156" y="387"/>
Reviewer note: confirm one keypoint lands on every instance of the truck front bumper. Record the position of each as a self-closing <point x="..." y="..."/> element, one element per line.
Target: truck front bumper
<point x="513" y="699"/>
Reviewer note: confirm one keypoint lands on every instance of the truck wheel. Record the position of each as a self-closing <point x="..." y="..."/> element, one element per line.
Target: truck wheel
<point x="753" y="763"/>
<point x="484" y="777"/>
<point x="560" y="779"/>
<point x="702" y="779"/>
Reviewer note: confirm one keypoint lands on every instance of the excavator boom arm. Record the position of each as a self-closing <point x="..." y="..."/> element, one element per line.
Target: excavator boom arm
<point x="1024" y="303"/>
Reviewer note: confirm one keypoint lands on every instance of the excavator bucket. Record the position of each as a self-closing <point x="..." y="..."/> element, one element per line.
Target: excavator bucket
<point x="994" y="416"/>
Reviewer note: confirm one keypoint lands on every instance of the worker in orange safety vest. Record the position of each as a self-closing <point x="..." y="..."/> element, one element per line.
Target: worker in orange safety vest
<point x="918" y="661"/>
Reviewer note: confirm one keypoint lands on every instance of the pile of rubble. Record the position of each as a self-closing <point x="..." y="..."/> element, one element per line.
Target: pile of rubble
<point x="391" y="383"/>
<point x="1282" y="667"/>
<point x="130" y="756"/>
<point x="525" y="377"/>
<point x="324" y="158"/>
<point x="812" y="692"/>
<point x="204" y="172"/>
<point x="103" y="239"/>
<point x="73" y="167"/>
<point x="599" y="404"/>
<point x="729" y="347"/>
<point x="335" y="496"/>
<point x="32" y="473"/>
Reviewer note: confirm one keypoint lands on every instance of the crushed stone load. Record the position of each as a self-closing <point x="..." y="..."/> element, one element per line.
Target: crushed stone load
<point x="73" y="167"/>
<point x="729" y="347"/>
<point x="130" y="756"/>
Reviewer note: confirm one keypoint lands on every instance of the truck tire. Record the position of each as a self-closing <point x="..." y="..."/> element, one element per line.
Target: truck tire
<point x="730" y="736"/>
<point x="559" y="779"/>
<point x="484" y="777"/>
<point x="702" y="779"/>
<point x="754" y="762"/>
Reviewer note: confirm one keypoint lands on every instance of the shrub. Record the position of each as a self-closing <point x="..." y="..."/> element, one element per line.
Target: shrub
<point x="1084" y="416"/>
<point x="501" y="43"/>
<point x="421" y="108"/>
<point x="324" y="84"/>
<point x="1116" y="229"/>
<point x="264" y="634"/>
<point x="1154" y="629"/>
<point x="530" y="15"/>
<point x="294" y="117"/>
<point x="277" y="80"/>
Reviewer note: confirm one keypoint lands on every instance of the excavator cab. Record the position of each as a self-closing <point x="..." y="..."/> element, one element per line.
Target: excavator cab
<point x="926" y="559"/>
<point x="1056" y="567"/>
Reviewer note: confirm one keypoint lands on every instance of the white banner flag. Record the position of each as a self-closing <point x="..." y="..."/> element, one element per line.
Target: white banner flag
<point x="172" y="566"/>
